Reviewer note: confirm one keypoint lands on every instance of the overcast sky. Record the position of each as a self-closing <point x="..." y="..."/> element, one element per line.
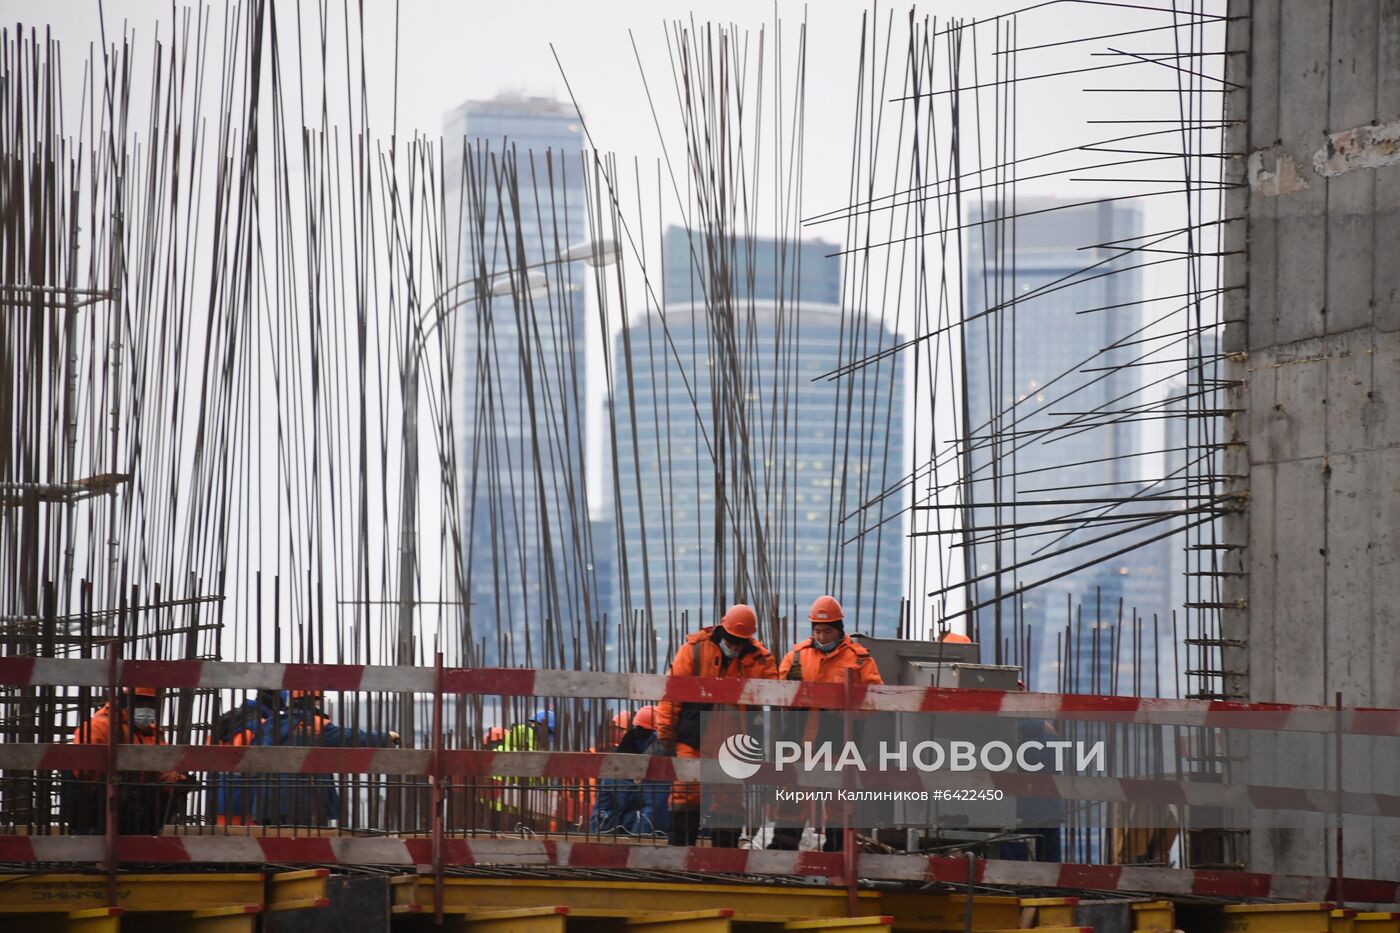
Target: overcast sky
<point x="448" y="52"/>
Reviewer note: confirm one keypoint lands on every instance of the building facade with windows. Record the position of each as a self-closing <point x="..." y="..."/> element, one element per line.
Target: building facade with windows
<point x="521" y="364"/>
<point x="1051" y="347"/>
<point x="742" y="471"/>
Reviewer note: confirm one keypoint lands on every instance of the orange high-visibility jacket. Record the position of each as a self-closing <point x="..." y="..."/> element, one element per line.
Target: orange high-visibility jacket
<point x="700" y="657"/>
<point x="96" y="730"/>
<point x="808" y="663"/>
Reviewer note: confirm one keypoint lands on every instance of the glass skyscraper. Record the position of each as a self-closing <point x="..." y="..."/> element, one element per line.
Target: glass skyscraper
<point x="1045" y="422"/>
<point x="521" y="371"/>
<point x="761" y="269"/>
<point x="741" y="472"/>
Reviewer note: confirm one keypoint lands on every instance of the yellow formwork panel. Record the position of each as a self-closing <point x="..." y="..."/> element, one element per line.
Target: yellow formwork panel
<point x="558" y="919"/>
<point x="834" y="923"/>
<point x="1050" y="912"/>
<point x="945" y="911"/>
<point x="233" y="919"/>
<point x="91" y="920"/>
<point x="1155" y="917"/>
<point x="415" y="893"/>
<point x="1278" y="918"/>
<point x="96" y="920"/>
<point x="686" y="921"/>
<point x="715" y="920"/>
<point x="1377" y="922"/>
<point x="295" y="890"/>
<point x="1341" y="921"/>
<point x="521" y="920"/>
<point x="136" y="893"/>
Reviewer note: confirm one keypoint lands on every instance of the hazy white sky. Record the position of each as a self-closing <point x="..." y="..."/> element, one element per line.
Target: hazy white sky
<point x="447" y="52"/>
<point x="454" y="50"/>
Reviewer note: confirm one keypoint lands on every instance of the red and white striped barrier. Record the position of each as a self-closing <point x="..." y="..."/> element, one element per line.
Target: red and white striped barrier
<point x="409" y="853"/>
<point x="583" y="766"/>
<point x="1273" y="717"/>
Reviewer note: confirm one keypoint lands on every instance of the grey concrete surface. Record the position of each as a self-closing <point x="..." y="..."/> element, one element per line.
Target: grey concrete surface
<point x="1318" y="355"/>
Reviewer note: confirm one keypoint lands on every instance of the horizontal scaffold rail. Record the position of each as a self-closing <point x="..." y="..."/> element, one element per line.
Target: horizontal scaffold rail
<point x="584" y="766"/>
<point x="388" y="851"/>
<point x="1271" y="717"/>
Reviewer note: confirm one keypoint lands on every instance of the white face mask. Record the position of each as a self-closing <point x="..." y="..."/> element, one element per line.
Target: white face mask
<point x="144" y="718"/>
<point x="730" y="651"/>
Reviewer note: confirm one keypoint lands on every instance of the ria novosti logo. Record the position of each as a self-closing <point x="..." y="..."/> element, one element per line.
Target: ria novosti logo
<point x="740" y="756"/>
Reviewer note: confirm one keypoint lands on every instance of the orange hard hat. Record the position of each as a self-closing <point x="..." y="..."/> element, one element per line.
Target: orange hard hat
<point x="495" y="734"/>
<point x="623" y="720"/>
<point x="826" y="609"/>
<point x="740" y="621"/>
<point x="645" y="718"/>
<point x="955" y="638"/>
<point x="305" y="695"/>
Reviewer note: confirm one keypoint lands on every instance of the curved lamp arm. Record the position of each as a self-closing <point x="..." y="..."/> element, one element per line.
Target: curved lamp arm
<point x="593" y="252"/>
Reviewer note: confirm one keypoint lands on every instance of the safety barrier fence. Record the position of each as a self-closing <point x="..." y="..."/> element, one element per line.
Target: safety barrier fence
<point x="1271" y="717"/>
<point x="439" y="767"/>
<point x="834" y="867"/>
<point x="591" y="766"/>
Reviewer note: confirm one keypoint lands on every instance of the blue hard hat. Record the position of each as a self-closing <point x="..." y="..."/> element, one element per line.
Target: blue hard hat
<point x="545" y="717"/>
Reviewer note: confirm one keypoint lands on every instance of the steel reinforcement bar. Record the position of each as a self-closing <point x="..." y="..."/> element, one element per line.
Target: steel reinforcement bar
<point x="1272" y="717"/>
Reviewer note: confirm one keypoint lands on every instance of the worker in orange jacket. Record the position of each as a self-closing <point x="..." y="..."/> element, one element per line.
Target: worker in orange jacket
<point x="822" y="659"/>
<point x="729" y="651"/>
<point x="144" y="798"/>
<point x="576" y="799"/>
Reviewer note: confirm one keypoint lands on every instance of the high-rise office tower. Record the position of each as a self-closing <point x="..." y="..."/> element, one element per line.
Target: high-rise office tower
<point x="521" y="374"/>
<point x="1052" y="303"/>
<point x="742" y="474"/>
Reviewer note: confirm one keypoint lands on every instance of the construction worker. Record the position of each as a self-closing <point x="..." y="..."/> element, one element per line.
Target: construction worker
<point x="822" y="659"/>
<point x="517" y="796"/>
<point x="231" y="795"/>
<point x="532" y="735"/>
<point x="145" y="799"/>
<point x="579" y="797"/>
<point x="641" y="808"/>
<point x="730" y="651"/>
<point x="955" y="638"/>
<point x="307" y="799"/>
<point x="491" y="740"/>
<point x="624" y="721"/>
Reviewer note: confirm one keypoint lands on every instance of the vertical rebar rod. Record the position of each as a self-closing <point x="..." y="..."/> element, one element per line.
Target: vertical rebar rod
<point x="436" y="779"/>
<point x="1337" y="770"/>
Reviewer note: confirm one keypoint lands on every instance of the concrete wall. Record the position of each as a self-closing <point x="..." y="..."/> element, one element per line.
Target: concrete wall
<point x="1319" y="345"/>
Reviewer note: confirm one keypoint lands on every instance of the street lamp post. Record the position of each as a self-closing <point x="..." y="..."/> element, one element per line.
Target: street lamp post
<point x="602" y="252"/>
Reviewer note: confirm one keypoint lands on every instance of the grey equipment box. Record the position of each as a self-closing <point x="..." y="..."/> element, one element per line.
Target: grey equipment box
<point x="960" y="815"/>
<point x="965" y="676"/>
<point x="895" y="657"/>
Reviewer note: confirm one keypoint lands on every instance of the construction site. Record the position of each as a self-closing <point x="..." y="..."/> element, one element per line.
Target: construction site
<point x="960" y="502"/>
